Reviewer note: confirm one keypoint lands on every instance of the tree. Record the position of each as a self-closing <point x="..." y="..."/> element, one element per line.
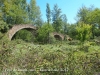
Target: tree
<point x="56" y="18"/>
<point x="48" y="13"/>
<point x="3" y="26"/>
<point x="83" y="14"/>
<point x="14" y="11"/>
<point x="90" y="16"/>
<point x="43" y="33"/>
<point x="34" y="12"/>
<point x="65" y="25"/>
<point x="94" y="20"/>
<point x="72" y="32"/>
<point x="39" y="22"/>
<point x="84" y="31"/>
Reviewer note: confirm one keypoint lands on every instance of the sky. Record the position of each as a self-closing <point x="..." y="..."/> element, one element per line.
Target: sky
<point x="68" y="7"/>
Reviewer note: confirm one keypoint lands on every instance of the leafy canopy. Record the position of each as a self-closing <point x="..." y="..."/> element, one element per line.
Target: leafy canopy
<point x="84" y="31"/>
<point x="43" y="32"/>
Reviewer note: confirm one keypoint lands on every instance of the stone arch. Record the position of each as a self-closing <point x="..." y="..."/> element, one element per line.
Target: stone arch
<point x="58" y="36"/>
<point x="16" y="28"/>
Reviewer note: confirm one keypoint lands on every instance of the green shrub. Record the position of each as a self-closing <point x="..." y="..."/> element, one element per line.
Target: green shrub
<point x="19" y="41"/>
<point x="52" y="39"/>
<point x="84" y="31"/>
<point x="24" y="35"/>
<point x="92" y="43"/>
<point x="73" y="42"/>
<point x="44" y="33"/>
<point x="51" y="59"/>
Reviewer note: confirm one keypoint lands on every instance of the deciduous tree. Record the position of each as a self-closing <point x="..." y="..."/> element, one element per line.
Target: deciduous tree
<point x="84" y="31"/>
<point x="64" y="24"/>
<point x="48" y="13"/>
<point x="34" y="13"/>
<point x="56" y="18"/>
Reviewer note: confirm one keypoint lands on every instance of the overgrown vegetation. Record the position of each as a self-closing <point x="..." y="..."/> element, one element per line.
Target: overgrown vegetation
<point x="19" y="57"/>
<point x="42" y="54"/>
<point x="84" y="32"/>
<point x="24" y="35"/>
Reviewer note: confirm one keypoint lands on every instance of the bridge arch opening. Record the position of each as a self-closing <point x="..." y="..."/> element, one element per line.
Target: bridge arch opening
<point x="57" y="37"/>
<point x="26" y="34"/>
<point x="12" y="32"/>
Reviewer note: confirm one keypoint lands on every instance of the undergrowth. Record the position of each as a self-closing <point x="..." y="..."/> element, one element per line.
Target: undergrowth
<point x="21" y="58"/>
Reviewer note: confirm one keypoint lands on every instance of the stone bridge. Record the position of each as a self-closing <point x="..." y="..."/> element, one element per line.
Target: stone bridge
<point x="29" y="27"/>
<point x="16" y="28"/>
<point x="58" y="36"/>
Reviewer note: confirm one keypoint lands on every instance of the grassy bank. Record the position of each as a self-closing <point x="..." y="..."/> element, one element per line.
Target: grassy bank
<point x="21" y="58"/>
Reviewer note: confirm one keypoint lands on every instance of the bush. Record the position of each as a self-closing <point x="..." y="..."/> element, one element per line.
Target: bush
<point x="44" y="33"/>
<point x="84" y="31"/>
<point x="18" y="41"/>
<point x="73" y="42"/>
<point x="1" y="35"/>
<point x="84" y="46"/>
<point x="52" y="59"/>
<point x="97" y="32"/>
<point x="24" y="35"/>
<point x="52" y="39"/>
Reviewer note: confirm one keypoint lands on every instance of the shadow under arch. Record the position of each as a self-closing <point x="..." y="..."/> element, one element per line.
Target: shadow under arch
<point x="57" y="37"/>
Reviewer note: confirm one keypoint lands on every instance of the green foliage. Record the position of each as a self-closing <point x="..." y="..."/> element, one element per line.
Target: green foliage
<point x="84" y="31"/>
<point x="52" y="39"/>
<point x="56" y="18"/>
<point x="74" y="42"/>
<point x="72" y="32"/>
<point x="1" y="35"/>
<point x="51" y="59"/>
<point x="34" y="13"/>
<point x="97" y="32"/>
<point x="59" y="58"/>
<point x="4" y="39"/>
<point x="64" y="24"/>
<point x="14" y="11"/>
<point x="24" y="35"/>
<point x="18" y="12"/>
<point x="83" y="14"/>
<point x="93" y="19"/>
<point x="90" y="16"/>
<point x="94" y="16"/>
<point x="48" y="13"/>
<point x="43" y="33"/>
<point x="3" y="26"/>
